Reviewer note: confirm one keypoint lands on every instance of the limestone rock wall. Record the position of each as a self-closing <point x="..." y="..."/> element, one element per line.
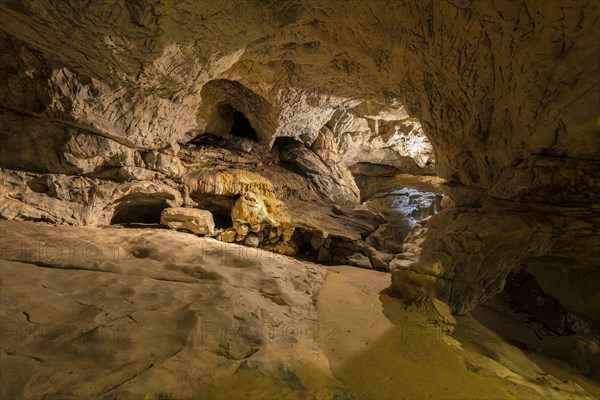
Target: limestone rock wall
<point x="506" y="93"/>
<point x="390" y="137"/>
<point x="467" y="255"/>
<point x="302" y="61"/>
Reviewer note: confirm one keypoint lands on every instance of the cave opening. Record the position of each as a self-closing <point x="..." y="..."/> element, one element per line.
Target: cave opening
<point x="282" y="142"/>
<point x="219" y="206"/>
<point x="138" y="212"/>
<point x="524" y="315"/>
<point x="241" y="126"/>
<point x="301" y="238"/>
<point x="222" y="219"/>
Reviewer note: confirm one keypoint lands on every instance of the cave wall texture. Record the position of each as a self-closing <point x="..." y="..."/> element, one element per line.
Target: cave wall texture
<point x="100" y="96"/>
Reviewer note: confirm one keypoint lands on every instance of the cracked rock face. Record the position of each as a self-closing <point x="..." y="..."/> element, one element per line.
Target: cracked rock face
<point x="100" y="103"/>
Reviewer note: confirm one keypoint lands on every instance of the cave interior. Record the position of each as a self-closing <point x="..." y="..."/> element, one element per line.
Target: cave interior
<point x="300" y="199"/>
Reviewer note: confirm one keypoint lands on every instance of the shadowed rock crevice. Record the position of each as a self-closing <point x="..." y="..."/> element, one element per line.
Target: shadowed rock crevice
<point x="241" y="126"/>
<point x="139" y="213"/>
<point x="230" y="107"/>
<point x="525" y="315"/>
<point x="136" y="209"/>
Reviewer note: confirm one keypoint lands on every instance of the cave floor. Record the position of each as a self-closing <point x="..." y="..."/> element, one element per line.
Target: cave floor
<point x="119" y="313"/>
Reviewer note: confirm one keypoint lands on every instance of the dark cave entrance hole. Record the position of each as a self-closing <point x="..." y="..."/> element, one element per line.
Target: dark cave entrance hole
<point x="302" y="237"/>
<point x="219" y="206"/>
<point x="39" y="185"/>
<point x="523" y="314"/>
<point x="222" y="220"/>
<point x="145" y="212"/>
<point x="285" y="141"/>
<point x="241" y="125"/>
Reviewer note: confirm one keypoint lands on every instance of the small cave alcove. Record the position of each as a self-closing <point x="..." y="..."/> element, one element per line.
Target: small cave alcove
<point x="281" y="142"/>
<point x="301" y="238"/>
<point x="136" y="212"/>
<point x="39" y="185"/>
<point x="219" y="206"/>
<point x="221" y="218"/>
<point x="525" y="315"/>
<point x="241" y="126"/>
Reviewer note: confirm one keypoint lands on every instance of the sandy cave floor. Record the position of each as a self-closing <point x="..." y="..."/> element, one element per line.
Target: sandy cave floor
<point x="118" y="313"/>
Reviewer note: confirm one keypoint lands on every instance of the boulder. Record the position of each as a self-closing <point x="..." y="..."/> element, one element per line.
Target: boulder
<point x="378" y="262"/>
<point x="251" y="240"/>
<point x="317" y="239"/>
<point x="194" y="220"/>
<point x="286" y="248"/>
<point x="227" y="236"/>
<point x="359" y="260"/>
<point x="242" y="230"/>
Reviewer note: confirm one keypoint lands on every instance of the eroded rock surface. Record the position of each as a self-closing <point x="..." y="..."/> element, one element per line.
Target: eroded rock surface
<point x="464" y="257"/>
<point x="101" y="100"/>
<point x="95" y="312"/>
